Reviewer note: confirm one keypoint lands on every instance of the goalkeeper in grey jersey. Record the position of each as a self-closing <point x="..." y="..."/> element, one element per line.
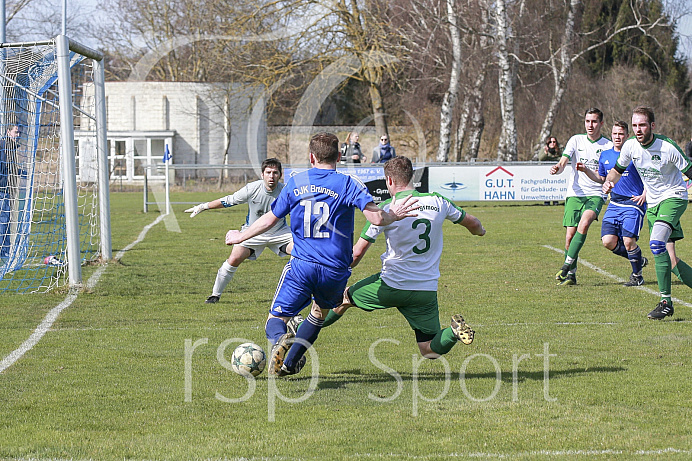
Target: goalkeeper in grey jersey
<point x="259" y="195"/>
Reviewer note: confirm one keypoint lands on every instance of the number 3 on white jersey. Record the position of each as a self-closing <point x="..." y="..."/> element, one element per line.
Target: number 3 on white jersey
<point x="320" y="209"/>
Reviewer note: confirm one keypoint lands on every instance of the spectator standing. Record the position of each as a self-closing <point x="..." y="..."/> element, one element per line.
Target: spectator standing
<point x="551" y="150"/>
<point x="350" y="150"/>
<point x="384" y="151"/>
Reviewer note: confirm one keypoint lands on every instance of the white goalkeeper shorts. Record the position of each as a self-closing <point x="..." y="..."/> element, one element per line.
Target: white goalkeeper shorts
<point x="273" y="241"/>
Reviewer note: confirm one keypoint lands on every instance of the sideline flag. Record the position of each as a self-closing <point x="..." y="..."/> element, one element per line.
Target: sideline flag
<point x="167" y="155"/>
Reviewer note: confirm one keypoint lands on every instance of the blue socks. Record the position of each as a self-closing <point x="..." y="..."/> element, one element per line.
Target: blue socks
<point x="635" y="257"/>
<point x="308" y="332"/>
<point x="275" y="329"/>
<point x="620" y="249"/>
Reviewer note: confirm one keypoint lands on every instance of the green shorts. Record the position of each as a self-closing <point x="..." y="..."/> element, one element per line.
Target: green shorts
<point x="669" y="211"/>
<point x="576" y="206"/>
<point x="418" y="307"/>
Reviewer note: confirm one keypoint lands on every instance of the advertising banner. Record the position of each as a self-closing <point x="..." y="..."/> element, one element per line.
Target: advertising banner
<point x="373" y="178"/>
<point x="498" y="182"/>
<point x="483" y="182"/>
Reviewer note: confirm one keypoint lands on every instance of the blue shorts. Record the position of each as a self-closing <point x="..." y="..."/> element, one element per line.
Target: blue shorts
<point x="301" y="281"/>
<point x="623" y="220"/>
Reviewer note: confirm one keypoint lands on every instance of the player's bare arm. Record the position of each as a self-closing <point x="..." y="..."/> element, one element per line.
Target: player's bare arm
<point x="397" y="211"/>
<point x="591" y="173"/>
<point x="473" y="224"/>
<point x="559" y="167"/>
<point x="359" y="250"/>
<point x="613" y="177"/>
<point x="261" y="225"/>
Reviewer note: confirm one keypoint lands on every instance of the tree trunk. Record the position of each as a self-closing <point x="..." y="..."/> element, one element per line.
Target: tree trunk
<point x="373" y="76"/>
<point x="507" y="147"/>
<point x="452" y="93"/>
<point x="473" y="104"/>
<point x="561" y="70"/>
<point x="224" y="173"/>
<point x="475" y="131"/>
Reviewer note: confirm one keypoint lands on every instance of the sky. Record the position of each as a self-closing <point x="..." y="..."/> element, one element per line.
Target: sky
<point x="685" y="30"/>
<point x="94" y="11"/>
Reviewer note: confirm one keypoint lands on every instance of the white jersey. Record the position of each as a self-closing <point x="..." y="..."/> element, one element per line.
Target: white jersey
<point x="414" y="245"/>
<point x="259" y="201"/>
<point x="581" y="149"/>
<point x="660" y="165"/>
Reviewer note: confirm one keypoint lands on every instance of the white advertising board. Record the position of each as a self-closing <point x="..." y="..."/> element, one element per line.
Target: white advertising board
<point x="498" y="182"/>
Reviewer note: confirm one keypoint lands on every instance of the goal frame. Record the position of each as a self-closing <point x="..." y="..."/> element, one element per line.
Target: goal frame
<point x="64" y="46"/>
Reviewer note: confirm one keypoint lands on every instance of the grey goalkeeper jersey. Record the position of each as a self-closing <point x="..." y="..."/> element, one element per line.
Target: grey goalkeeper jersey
<point x="259" y="201"/>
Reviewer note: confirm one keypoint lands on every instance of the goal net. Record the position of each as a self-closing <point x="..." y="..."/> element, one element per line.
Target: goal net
<point x="46" y="94"/>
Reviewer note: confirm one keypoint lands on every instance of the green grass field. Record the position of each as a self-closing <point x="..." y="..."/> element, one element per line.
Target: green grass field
<point x="109" y="380"/>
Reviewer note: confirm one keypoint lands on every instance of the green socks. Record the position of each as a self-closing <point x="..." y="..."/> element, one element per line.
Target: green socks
<point x="683" y="272"/>
<point x="663" y="269"/>
<point x="575" y="246"/>
<point x="331" y="318"/>
<point x="443" y="341"/>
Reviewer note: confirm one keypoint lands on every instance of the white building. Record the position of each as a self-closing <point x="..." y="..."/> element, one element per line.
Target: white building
<point x="195" y="121"/>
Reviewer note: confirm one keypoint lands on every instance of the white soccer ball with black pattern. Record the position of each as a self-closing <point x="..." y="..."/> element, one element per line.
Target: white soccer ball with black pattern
<point x="248" y="359"/>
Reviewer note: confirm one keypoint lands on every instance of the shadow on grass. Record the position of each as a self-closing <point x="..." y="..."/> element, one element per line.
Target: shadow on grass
<point x="341" y="379"/>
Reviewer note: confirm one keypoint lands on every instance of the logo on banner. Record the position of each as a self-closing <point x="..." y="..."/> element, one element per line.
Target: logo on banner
<point x="454" y="186"/>
<point x="499" y="185"/>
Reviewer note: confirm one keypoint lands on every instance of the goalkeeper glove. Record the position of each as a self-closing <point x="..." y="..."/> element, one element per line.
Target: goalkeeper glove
<point x="197" y="209"/>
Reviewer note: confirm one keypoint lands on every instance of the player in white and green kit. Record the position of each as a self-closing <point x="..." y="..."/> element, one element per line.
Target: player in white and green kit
<point x="584" y="197"/>
<point x="411" y="264"/>
<point x="660" y="163"/>
<point x="259" y="195"/>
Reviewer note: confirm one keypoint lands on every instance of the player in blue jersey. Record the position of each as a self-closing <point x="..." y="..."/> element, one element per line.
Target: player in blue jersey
<point x="321" y="202"/>
<point x="624" y="217"/>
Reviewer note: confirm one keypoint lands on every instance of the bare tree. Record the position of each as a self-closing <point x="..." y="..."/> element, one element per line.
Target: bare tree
<point x="573" y="44"/>
<point x="507" y="147"/>
<point x="452" y="94"/>
<point x="473" y="101"/>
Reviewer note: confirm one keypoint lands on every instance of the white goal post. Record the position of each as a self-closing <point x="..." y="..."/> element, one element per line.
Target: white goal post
<point x="55" y="208"/>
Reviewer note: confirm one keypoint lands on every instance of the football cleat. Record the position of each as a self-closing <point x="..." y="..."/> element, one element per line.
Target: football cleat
<point x="571" y="279"/>
<point x="562" y="273"/>
<point x="461" y="330"/>
<point x="213" y="299"/>
<point x="635" y="281"/>
<point x="278" y="353"/>
<point x="285" y="371"/>
<point x="293" y="323"/>
<point x="662" y="310"/>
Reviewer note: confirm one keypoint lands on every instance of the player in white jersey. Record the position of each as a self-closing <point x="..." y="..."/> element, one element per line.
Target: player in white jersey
<point x="411" y="265"/>
<point x="584" y="197"/>
<point x="661" y="164"/>
<point x="259" y="195"/>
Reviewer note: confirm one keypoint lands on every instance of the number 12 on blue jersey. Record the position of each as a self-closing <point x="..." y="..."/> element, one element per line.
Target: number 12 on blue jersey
<point x="319" y="209"/>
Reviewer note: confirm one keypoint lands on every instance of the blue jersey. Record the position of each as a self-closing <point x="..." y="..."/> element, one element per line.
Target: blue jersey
<point x="629" y="185"/>
<point x="322" y="204"/>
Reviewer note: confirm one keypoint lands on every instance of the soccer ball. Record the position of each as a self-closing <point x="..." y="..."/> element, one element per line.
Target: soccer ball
<point x="52" y="261"/>
<point x="248" y="359"/>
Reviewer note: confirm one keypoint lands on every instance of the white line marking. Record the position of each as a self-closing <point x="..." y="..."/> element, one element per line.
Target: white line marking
<point x="616" y="278"/>
<point x="53" y="314"/>
<point x="527" y="454"/>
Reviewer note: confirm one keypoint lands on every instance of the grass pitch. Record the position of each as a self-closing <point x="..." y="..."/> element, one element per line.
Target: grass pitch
<point x="134" y="368"/>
